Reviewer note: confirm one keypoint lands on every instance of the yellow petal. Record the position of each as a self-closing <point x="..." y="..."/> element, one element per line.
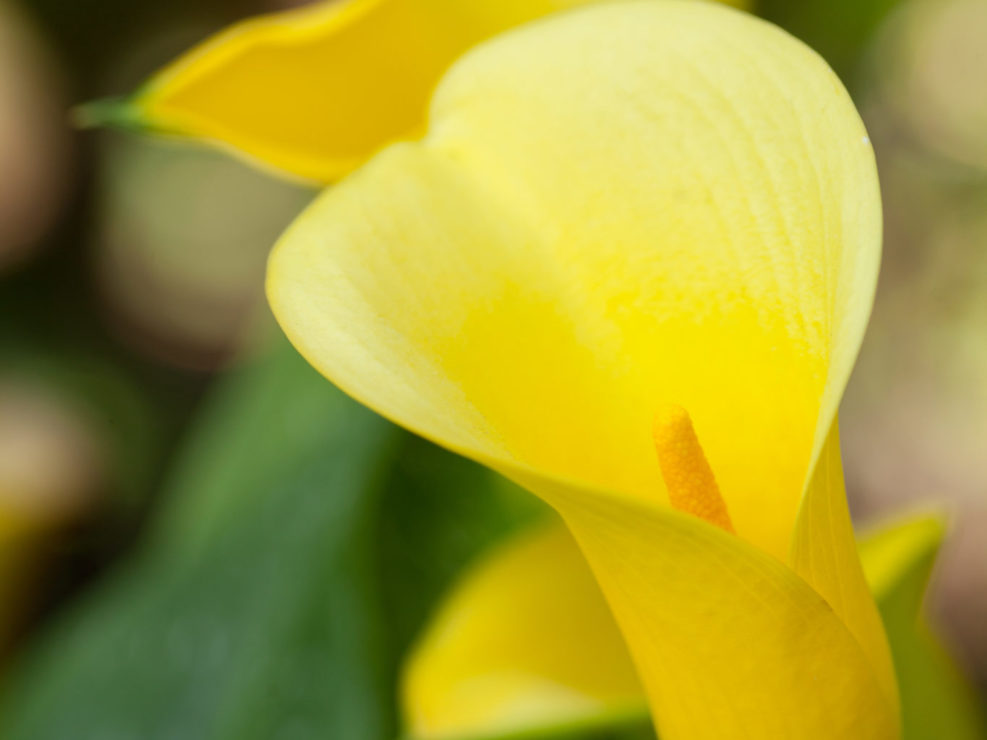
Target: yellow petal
<point x="728" y="642"/>
<point x="314" y="92"/>
<point x="616" y="209"/>
<point x="824" y="553"/>
<point x="525" y="641"/>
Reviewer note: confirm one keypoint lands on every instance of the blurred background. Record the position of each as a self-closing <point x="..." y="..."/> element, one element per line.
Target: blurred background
<point x="169" y="558"/>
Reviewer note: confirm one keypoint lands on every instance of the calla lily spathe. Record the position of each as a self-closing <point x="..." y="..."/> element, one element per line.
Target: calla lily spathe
<point x="618" y="211"/>
<point x="315" y="91"/>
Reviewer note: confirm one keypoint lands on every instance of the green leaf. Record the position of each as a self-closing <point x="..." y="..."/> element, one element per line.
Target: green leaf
<point x="270" y="623"/>
<point x="302" y="547"/>
<point x="936" y="700"/>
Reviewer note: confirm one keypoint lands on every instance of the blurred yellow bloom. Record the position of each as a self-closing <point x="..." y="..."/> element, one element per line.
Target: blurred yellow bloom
<point x="524" y="642"/>
<point x="313" y="92"/>
<point x="629" y="266"/>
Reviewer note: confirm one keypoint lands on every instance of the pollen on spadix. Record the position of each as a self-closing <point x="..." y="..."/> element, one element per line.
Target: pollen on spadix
<point x="688" y="477"/>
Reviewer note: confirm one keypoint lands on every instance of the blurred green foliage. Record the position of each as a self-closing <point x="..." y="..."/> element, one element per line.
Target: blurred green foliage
<point x="936" y="701"/>
<point x="838" y="29"/>
<point x="120" y="415"/>
<point x="304" y="544"/>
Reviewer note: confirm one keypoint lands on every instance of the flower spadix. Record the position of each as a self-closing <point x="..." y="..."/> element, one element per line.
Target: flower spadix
<point x="617" y="211"/>
<point x="313" y="92"/>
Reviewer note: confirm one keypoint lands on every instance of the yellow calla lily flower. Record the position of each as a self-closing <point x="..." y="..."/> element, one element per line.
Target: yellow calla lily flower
<point x="313" y="92"/>
<point x="524" y="645"/>
<point x="629" y="267"/>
